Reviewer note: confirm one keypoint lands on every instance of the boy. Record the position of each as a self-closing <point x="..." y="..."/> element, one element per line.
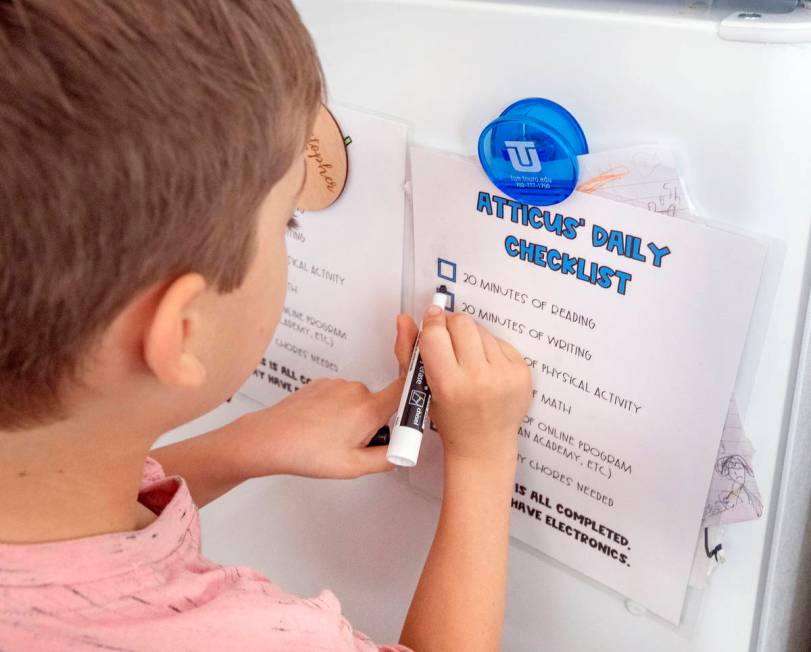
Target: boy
<point x="151" y="157"/>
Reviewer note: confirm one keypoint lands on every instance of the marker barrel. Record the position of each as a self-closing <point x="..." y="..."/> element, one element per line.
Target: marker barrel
<point x="406" y="436"/>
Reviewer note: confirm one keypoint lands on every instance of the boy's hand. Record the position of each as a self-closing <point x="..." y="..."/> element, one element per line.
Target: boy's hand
<point x="480" y="387"/>
<point x="321" y="431"/>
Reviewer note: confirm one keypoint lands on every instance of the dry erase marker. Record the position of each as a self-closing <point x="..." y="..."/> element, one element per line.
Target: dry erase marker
<point x="406" y="436"/>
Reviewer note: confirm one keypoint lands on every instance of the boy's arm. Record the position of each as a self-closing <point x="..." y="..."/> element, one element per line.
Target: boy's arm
<point x="459" y="601"/>
<point x="320" y="431"/>
<point x="480" y="392"/>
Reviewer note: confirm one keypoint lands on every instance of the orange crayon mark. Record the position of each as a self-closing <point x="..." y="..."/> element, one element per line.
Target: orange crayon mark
<point x="595" y="183"/>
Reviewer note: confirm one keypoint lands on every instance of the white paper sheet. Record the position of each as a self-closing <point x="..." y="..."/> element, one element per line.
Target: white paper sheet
<point x="734" y="495"/>
<point x="344" y="273"/>
<point x="644" y="176"/>
<point x="631" y="390"/>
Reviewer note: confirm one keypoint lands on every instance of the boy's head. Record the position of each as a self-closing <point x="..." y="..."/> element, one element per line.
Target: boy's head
<point x="150" y="157"/>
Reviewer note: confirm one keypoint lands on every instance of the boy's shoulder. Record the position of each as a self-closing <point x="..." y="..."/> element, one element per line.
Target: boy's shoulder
<point x="153" y="589"/>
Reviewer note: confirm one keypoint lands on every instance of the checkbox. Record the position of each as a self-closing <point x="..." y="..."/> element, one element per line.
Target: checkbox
<point x="451" y="301"/>
<point x="446" y="269"/>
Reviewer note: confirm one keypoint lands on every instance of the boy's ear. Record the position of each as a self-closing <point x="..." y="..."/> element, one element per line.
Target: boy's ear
<point x="175" y="325"/>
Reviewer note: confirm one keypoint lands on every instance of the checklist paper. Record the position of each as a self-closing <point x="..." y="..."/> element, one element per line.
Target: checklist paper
<point x="633" y="325"/>
<point x="344" y="273"/>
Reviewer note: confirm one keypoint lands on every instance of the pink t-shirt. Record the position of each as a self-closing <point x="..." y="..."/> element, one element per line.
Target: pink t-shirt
<point x="151" y="589"/>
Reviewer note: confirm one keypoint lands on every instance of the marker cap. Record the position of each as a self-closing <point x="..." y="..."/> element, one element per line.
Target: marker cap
<point x="440" y="298"/>
<point x="404" y="446"/>
<point x="530" y="151"/>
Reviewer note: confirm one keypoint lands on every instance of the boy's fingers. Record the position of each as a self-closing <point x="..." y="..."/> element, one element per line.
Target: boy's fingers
<point x="404" y="342"/>
<point x="510" y="352"/>
<point x="436" y="348"/>
<point x="467" y="341"/>
<point x="492" y="350"/>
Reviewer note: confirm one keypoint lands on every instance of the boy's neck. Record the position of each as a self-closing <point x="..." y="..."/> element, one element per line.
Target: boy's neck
<point x="66" y="481"/>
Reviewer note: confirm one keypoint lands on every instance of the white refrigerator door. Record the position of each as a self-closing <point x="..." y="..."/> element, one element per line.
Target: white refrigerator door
<point x="632" y="73"/>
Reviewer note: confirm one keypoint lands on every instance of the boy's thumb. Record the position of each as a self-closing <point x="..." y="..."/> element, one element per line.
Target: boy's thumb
<point x="387" y="400"/>
<point x="404" y="342"/>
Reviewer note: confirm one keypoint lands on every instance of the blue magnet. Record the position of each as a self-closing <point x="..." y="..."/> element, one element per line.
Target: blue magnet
<point x="530" y="151"/>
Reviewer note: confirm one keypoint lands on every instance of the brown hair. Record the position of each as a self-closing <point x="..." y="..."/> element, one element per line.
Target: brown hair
<point x="137" y="140"/>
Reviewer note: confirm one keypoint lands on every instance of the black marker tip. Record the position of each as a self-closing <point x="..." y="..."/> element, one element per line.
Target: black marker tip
<point x="381" y="437"/>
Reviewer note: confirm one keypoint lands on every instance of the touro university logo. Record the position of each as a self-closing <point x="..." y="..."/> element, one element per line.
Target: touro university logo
<point x="523" y="155"/>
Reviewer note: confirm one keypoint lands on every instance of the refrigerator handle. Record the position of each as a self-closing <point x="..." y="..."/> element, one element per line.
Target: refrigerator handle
<point x="761" y="27"/>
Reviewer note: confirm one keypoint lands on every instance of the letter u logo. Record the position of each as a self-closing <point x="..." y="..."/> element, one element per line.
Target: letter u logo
<point x="523" y="155"/>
